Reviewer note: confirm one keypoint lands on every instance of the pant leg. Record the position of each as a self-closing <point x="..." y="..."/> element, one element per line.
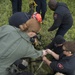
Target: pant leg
<point x="38" y="7"/>
<point x="19" y="5"/>
<point x="63" y="30"/>
<point x="43" y="8"/>
<point x="14" y="6"/>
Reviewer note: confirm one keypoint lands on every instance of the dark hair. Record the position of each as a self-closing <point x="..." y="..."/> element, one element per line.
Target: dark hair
<point x="69" y="46"/>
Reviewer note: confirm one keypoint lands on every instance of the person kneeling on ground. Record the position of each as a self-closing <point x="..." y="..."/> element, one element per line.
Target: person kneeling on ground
<point x="66" y="64"/>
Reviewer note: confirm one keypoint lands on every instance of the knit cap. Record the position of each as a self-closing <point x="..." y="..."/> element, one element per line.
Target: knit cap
<point x="18" y="18"/>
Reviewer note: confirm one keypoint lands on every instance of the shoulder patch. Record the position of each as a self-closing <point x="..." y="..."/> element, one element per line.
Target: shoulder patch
<point x="55" y="16"/>
<point x="60" y="66"/>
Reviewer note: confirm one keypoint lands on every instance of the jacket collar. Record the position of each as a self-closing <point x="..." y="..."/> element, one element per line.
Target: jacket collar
<point x="23" y="35"/>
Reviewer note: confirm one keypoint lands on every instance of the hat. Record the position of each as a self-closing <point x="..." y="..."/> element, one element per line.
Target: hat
<point x="37" y="16"/>
<point x="18" y="19"/>
<point x="59" y="39"/>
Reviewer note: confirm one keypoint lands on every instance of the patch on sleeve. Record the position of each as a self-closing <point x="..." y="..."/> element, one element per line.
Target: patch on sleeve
<point x="55" y="16"/>
<point x="60" y="66"/>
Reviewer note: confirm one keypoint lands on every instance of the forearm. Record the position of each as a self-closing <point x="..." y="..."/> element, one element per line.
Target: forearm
<point x="47" y="62"/>
<point x="53" y="27"/>
<point x="56" y="24"/>
<point x="56" y="56"/>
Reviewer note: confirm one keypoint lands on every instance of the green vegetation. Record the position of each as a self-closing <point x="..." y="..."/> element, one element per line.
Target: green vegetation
<point x="6" y="12"/>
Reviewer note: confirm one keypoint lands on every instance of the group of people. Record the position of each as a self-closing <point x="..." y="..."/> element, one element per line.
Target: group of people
<point x="62" y="51"/>
<point x="41" y="6"/>
<point x="15" y="39"/>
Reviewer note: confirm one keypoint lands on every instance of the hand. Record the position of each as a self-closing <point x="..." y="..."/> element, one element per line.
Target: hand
<point x="44" y="58"/>
<point x="49" y="51"/>
<point x="44" y="52"/>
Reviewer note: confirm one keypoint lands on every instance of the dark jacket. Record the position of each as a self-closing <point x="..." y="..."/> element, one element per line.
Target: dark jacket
<point x="62" y="17"/>
<point x="65" y="65"/>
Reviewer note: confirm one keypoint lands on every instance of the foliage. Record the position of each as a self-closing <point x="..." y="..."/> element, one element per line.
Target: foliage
<point x="6" y="12"/>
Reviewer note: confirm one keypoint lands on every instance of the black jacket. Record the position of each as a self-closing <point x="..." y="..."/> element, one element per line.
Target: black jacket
<point x="62" y="17"/>
<point x="65" y="65"/>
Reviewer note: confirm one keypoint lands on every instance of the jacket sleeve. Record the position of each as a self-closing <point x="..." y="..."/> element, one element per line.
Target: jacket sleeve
<point x="32" y="52"/>
<point x="57" y="67"/>
<point x="57" y="22"/>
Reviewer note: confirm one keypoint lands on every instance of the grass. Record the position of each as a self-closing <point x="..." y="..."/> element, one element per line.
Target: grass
<point x="6" y="12"/>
